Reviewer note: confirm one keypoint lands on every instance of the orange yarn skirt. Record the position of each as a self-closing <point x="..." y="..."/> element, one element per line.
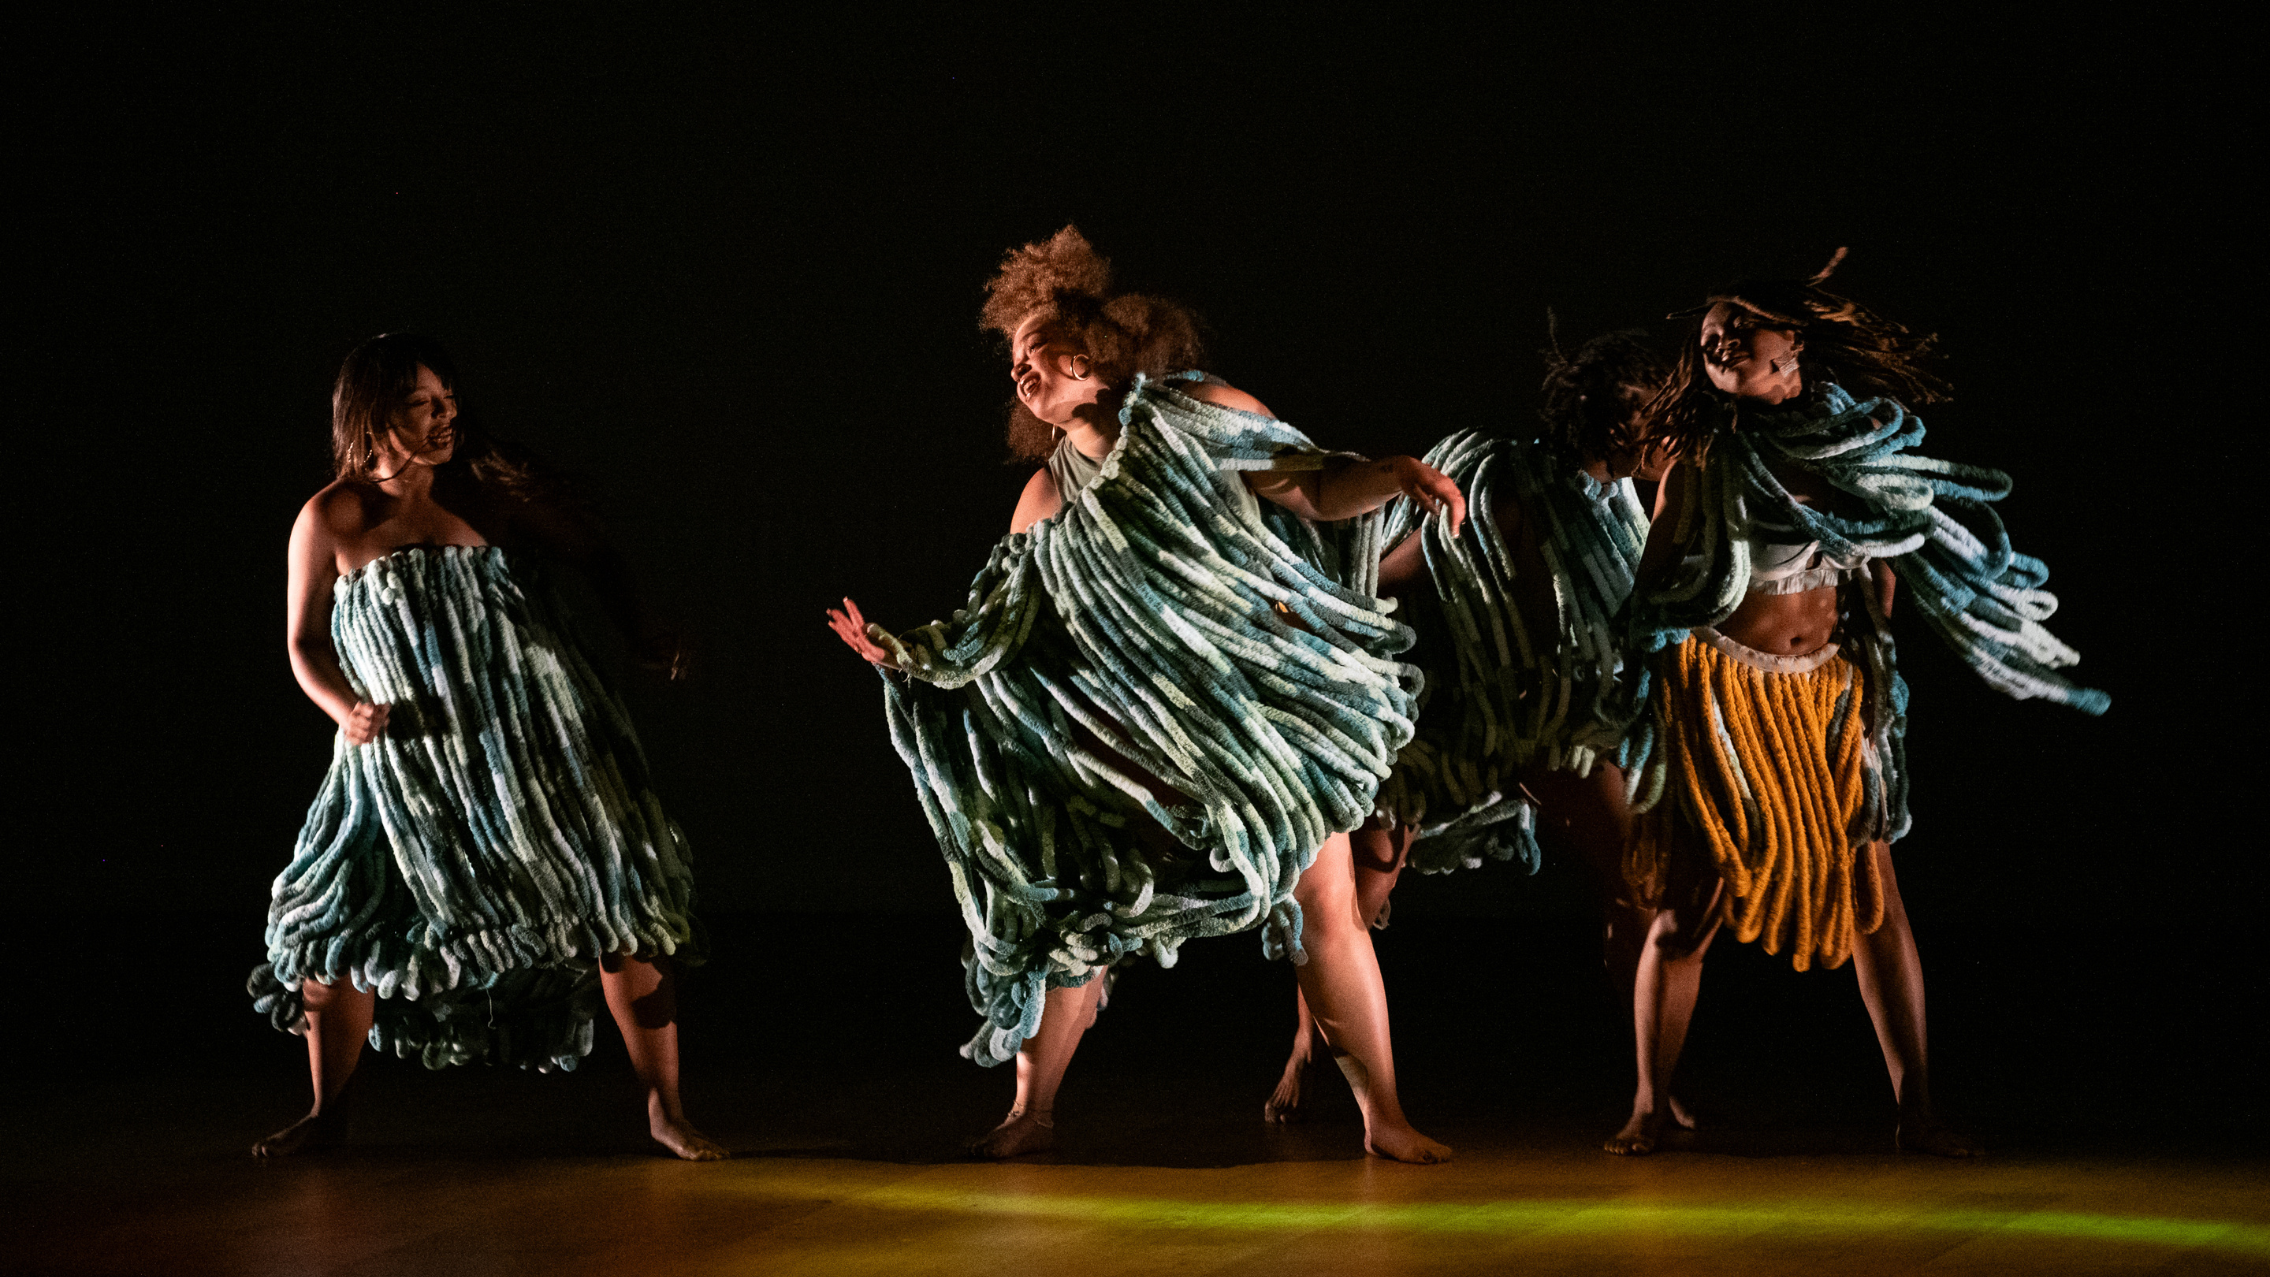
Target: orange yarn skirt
<point x="1767" y="761"/>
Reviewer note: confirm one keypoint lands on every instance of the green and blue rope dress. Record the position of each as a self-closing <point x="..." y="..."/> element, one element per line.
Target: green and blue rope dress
<point x="1230" y="650"/>
<point x="474" y="863"/>
<point x="1500" y="699"/>
<point x="1934" y="521"/>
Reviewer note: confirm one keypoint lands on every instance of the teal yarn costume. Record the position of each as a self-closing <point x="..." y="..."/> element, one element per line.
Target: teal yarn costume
<point x="1499" y="698"/>
<point x="474" y="863"/>
<point x="1933" y="521"/>
<point x="1151" y="615"/>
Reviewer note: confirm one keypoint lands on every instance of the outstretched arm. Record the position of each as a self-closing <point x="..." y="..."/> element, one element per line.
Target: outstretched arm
<point x="1344" y="487"/>
<point x="311" y="569"/>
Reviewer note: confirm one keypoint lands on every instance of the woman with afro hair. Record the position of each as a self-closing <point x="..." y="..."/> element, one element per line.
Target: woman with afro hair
<point x="1777" y="777"/>
<point x="1171" y="695"/>
<point x="1523" y="728"/>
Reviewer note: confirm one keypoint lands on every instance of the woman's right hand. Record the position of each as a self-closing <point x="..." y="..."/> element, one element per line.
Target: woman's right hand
<point x="851" y="627"/>
<point x="364" y="723"/>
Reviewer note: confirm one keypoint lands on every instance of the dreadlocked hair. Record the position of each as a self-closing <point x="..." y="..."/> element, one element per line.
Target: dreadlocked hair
<point x="1590" y="398"/>
<point x="1065" y="279"/>
<point x="377" y="379"/>
<point x="1844" y="342"/>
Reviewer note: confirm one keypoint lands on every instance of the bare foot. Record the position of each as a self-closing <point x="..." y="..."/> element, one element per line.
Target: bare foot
<point x="1680" y="1114"/>
<point x="1403" y="1144"/>
<point x="679" y="1136"/>
<point x="1018" y="1134"/>
<point x="315" y="1132"/>
<point x="1639" y="1136"/>
<point x="1286" y="1103"/>
<point x="1925" y="1133"/>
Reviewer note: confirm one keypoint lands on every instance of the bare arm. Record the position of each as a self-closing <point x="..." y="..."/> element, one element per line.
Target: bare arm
<point x="1887" y="584"/>
<point x="1402" y="567"/>
<point x="1662" y="552"/>
<point x="1345" y="487"/>
<point x="311" y="569"/>
<point x="1040" y="501"/>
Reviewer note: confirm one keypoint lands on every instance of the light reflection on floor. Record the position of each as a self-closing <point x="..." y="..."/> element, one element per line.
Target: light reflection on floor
<point x="396" y="1209"/>
<point x="1825" y="1216"/>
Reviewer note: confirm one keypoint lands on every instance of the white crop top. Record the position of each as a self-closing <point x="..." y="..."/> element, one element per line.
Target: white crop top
<point x="1780" y="568"/>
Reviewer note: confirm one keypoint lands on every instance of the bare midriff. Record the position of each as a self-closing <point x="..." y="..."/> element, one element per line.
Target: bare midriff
<point x="1784" y="624"/>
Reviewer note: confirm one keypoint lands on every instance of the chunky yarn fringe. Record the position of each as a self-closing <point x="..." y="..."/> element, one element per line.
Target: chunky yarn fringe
<point x="474" y="864"/>
<point x="1773" y="774"/>
<point x="1153" y="615"/>
<point x="1934" y="520"/>
<point x="1498" y="698"/>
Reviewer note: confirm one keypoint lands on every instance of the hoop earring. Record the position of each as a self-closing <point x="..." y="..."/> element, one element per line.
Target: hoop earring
<point x="1087" y="369"/>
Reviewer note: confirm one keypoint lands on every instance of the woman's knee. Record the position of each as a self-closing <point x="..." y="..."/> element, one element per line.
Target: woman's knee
<point x="1378" y="848"/>
<point x="1681" y="934"/>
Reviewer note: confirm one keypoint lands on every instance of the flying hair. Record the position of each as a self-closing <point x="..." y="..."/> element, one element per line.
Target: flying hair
<point x="1842" y="341"/>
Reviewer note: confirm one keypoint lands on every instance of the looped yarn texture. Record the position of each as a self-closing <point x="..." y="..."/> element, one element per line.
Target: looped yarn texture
<point x="474" y="864"/>
<point x="1232" y="652"/>
<point x="1498" y="697"/>
<point x="1772" y="776"/>
<point x="1933" y="519"/>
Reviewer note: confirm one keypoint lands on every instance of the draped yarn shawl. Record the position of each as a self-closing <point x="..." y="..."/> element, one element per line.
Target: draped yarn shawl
<point x="1933" y="520"/>
<point x="474" y="863"/>
<point x="1498" y="697"/>
<point x="1225" y="647"/>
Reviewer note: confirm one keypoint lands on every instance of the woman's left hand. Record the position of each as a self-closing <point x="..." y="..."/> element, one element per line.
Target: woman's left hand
<point x="1432" y="490"/>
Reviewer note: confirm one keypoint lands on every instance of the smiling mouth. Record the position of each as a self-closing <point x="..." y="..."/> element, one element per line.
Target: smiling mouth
<point x="1029" y="384"/>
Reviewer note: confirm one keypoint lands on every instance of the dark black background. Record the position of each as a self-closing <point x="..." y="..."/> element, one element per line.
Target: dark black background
<point x="727" y="269"/>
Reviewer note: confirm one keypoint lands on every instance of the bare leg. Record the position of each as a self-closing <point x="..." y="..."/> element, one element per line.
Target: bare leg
<point x="1342" y="984"/>
<point x="644" y="997"/>
<point x="1379" y="855"/>
<point x="1891" y="983"/>
<point x="1589" y="817"/>
<point x="338" y="1024"/>
<point x="1664" y="986"/>
<point x="1031" y="1124"/>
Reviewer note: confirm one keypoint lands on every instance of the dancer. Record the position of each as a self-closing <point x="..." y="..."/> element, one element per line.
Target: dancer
<point x="1166" y="701"/>
<point x="485" y="860"/>
<point x="1779" y="777"/>
<point x="1521" y="732"/>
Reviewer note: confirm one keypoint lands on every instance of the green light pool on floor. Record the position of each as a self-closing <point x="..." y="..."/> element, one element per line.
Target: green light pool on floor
<point x="1577" y="1216"/>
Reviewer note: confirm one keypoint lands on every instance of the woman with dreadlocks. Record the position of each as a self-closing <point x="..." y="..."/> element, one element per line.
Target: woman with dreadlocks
<point x="1167" y="701"/>
<point x="486" y="861"/>
<point x="1521" y="735"/>
<point x="1778" y="777"/>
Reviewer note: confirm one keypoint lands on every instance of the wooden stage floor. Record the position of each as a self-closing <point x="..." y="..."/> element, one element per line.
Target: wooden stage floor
<point x="125" y="1153"/>
<point x="494" y="1173"/>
